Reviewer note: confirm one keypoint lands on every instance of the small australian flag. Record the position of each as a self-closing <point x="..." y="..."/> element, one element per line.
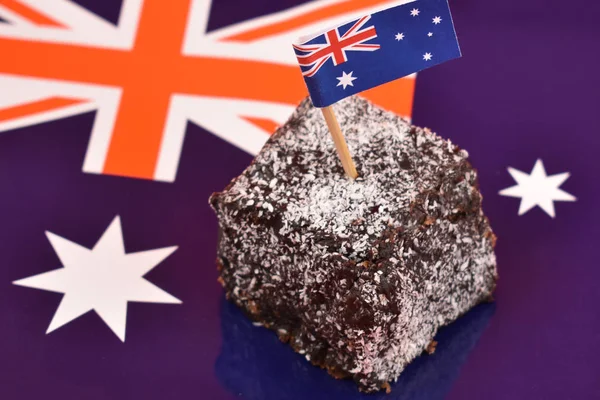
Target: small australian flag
<point x="376" y="49"/>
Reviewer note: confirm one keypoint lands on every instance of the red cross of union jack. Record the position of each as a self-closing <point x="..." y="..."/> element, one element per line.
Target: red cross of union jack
<point x="314" y="55"/>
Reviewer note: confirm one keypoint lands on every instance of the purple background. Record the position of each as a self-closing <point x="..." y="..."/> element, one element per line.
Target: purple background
<point x="526" y="88"/>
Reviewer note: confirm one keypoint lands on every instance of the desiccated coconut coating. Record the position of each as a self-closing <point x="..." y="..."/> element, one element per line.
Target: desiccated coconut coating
<point x="356" y="275"/>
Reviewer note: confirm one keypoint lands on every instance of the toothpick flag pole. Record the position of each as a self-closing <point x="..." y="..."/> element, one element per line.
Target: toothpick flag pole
<point x="365" y="53"/>
<point x="340" y="142"/>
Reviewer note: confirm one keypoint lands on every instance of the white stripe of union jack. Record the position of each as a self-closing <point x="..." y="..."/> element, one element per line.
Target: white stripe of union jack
<point x="315" y="55"/>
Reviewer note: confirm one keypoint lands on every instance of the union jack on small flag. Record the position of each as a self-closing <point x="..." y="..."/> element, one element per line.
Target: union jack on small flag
<point x="384" y="46"/>
<point x="311" y="57"/>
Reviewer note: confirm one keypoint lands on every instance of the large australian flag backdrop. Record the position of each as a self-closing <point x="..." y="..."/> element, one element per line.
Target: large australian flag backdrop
<point x="119" y="118"/>
<point x="376" y="49"/>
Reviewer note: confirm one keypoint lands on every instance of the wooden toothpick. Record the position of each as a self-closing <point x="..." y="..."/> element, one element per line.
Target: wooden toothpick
<point x="340" y="142"/>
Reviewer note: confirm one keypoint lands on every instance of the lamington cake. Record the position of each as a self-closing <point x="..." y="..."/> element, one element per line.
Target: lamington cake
<point x="356" y="275"/>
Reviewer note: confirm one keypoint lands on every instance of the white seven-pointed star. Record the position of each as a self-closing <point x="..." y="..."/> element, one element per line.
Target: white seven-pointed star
<point x="437" y="20"/>
<point x="414" y="12"/>
<point x="430" y="34"/>
<point x="537" y="189"/>
<point x="399" y="36"/>
<point x="427" y="56"/>
<point x="346" y="79"/>
<point x="102" y="279"/>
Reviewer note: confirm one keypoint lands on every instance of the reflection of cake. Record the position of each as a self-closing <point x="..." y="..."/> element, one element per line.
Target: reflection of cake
<point x="254" y="365"/>
<point x="356" y="275"/>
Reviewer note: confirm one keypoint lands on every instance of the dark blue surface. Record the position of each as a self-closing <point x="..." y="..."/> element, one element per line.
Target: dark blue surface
<point x="254" y="362"/>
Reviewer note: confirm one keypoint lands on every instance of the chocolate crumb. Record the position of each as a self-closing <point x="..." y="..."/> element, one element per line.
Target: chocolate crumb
<point x="387" y="387"/>
<point x="429" y="220"/>
<point x="431" y="347"/>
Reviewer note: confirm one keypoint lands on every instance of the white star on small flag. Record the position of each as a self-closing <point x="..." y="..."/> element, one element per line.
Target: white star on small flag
<point x="437" y="20"/>
<point x="399" y="36"/>
<point x="430" y="34"/>
<point x="102" y="279"/>
<point x="427" y="56"/>
<point x="414" y="12"/>
<point x="537" y="189"/>
<point x="346" y="79"/>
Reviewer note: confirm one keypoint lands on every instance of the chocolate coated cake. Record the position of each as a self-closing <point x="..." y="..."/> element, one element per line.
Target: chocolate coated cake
<point x="356" y="275"/>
